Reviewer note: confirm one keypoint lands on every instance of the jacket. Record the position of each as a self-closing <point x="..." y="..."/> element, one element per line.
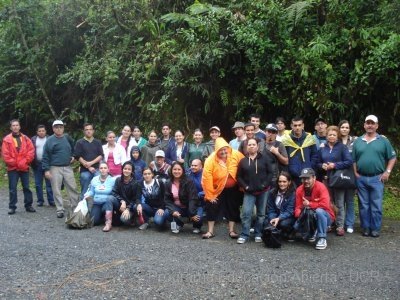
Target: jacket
<point x="138" y="164"/>
<point x="154" y="198"/>
<point x="287" y="207"/>
<point x="100" y="191"/>
<point x="118" y="154"/>
<point x="129" y="192"/>
<point x="215" y="174"/>
<point x="194" y="152"/>
<point x="187" y="195"/>
<point x="148" y="152"/>
<point x="17" y="160"/>
<point x="170" y="154"/>
<point x="255" y="175"/>
<point x="319" y="199"/>
<point x="302" y="152"/>
<point x="339" y="155"/>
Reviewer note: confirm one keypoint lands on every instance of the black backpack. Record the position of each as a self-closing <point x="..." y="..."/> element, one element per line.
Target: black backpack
<point x="271" y="237"/>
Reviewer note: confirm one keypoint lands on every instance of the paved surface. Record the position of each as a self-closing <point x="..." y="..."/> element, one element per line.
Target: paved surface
<point x="42" y="259"/>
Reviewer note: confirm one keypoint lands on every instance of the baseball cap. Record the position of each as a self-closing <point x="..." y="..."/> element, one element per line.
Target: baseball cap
<point x="271" y="126"/>
<point x="307" y="172"/>
<point x="159" y="153"/>
<point x="216" y="128"/>
<point x="372" y="118"/>
<point x="319" y="119"/>
<point x="58" y="122"/>
<point x="238" y="125"/>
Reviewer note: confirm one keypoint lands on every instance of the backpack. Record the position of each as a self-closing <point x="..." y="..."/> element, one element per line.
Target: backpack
<point x="271" y="237"/>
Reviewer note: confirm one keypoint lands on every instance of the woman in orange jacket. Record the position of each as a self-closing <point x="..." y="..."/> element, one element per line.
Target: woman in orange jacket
<point x="220" y="187"/>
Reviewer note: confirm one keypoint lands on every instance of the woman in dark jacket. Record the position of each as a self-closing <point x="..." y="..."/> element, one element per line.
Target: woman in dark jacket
<point x="181" y="199"/>
<point x="125" y="193"/>
<point x="280" y="205"/>
<point x="335" y="156"/>
<point x="151" y="204"/>
<point x="178" y="150"/>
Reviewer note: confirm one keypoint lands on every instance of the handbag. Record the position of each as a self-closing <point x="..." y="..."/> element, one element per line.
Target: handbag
<point x="342" y="179"/>
<point x="271" y="237"/>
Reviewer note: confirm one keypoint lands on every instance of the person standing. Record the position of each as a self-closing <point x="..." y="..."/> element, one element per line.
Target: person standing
<point x="114" y="154"/>
<point x="238" y="128"/>
<point x="280" y="124"/>
<point x="215" y="132"/>
<point x="18" y="153"/>
<point x="38" y="142"/>
<point x="56" y="162"/>
<point x="249" y="129"/>
<point x="89" y="152"/>
<point x="166" y="137"/>
<point x="320" y="132"/>
<point x="254" y="177"/>
<point x="374" y="159"/>
<point x="255" y="119"/>
<point x="195" y="149"/>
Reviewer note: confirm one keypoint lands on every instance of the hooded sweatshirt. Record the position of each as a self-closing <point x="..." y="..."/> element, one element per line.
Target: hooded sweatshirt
<point x="139" y="163"/>
<point x="215" y="173"/>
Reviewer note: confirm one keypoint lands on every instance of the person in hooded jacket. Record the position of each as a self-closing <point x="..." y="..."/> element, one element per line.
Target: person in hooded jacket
<point x="137" y="162"/>
<point x="220" y="187"/>
<point x="254" y="177"/>
<point x="149" y="150"/>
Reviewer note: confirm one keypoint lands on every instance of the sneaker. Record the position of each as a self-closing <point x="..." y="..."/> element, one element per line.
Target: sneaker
<point x="349" y="230"/>
<point x="40" y="204"/>
<point x="196" y="230"/>
<point x="60" y="214"/>
<point x="176" y="231"/>
<point x="258" y="239"/>
<point x="144" y="226"/>
<point x="365" y="232"/>
<point x="241" y="240"/>
<point x="11" y="211"/>
<point x="313" y="238"/>
<point x="340" y="231"/>
<point x="375" y="233"/>
<point x="52" y="204"/>
<point x="321" y="244"/>
<point x="251" y="230"/>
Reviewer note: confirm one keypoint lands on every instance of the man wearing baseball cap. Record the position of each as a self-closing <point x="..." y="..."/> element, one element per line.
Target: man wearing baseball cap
<point x="314" y="195"/>
<point x="159" y="166"/>
<point x="320" y="126"/>
<point x="238" y="128"/>
<point x="374" y="159"/>
<point x="56" y="162"/>
<point x="209" y="146"/>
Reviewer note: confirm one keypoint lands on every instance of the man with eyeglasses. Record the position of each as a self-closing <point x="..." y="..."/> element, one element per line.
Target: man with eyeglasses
<point x="374" y="159"/>
<point x="314" y="195"/>
<point x="277" y="149"/>
<point x="56" y="162"/>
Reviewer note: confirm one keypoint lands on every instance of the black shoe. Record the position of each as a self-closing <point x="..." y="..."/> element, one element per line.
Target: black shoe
<point x="365" y="232"/>
<point x="11" y="211"/>
<point x="30" y="209"/>
<point x="375" y="233"/>
<point x="52" y="204"/>
<point x="40" y="204"/>
<point x="60" y="214"/>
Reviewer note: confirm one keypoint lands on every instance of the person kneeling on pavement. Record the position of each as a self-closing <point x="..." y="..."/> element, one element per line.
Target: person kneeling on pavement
<point x="314" y="195"/>
<point x="280" y="206"/>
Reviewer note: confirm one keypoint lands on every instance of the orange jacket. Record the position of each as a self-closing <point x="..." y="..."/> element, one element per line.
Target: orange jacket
<point x="18" y="161"/>
<point x="216" y="173"/>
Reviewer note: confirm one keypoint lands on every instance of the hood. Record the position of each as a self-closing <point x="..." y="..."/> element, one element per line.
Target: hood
<point x="220" y="143"/>
<point x="136" y="148"/>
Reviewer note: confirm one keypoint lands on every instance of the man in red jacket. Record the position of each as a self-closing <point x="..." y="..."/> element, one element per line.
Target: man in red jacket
<point x="313" y="194"/>
<point x="18" y="153"/>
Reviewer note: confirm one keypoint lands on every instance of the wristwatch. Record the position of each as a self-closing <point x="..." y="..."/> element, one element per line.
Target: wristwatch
<point x="388" y="171"/>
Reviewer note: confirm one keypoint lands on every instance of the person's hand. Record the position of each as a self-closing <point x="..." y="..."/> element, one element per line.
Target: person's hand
<point x="139" y="209"/>
<point x="195" y="218"/>
<point x="123" y="206"/>
<point x="160" y="212"/>
<point x="325" y="166"/>
<point x="176" y="214"/>
<point x="385" y="176"/>
<point x="47" y="174"/>
<point x="125" y="214"/>
<point x="306" y="202"/>
<point x="72" y="160"/>
<point x="91" y="169"/>
<point x="214" y="200"/>
<point x="274" y="222"/>
<point x="274" y="150"/>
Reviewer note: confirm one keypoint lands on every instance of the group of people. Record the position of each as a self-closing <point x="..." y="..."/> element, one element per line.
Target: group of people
<point x="277" y="173"/>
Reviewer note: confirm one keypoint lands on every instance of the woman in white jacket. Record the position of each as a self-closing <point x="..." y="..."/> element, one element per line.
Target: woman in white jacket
<point x="114" y="154"/>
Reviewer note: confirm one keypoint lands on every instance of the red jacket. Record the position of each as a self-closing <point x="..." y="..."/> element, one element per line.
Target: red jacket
<point x="17" y="161"/>
<point x="319" y="199"/>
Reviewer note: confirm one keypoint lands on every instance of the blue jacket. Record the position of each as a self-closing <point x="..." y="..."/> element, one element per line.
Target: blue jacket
<point x="287" y="206"/>
<point x="139" y="163"/>
<point x="170" y="154"/>
<point x="339" y="155"/>
<point x="296" y="163"/>
<point x="100" y="191"/>
<point x="196" y="177"/>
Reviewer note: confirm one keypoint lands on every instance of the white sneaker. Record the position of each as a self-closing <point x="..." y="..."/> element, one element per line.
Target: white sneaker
<point x="321" y="244"/>
<point x="313" y="238"/>
<point x="176" y="231"/>
<point x="251" y="230"/>
<point x="144" y="226"/>
<point x="241" y="240"/>
<point x="349" y="230"/>
<point x="196" y="230"/>
<point x="258" y="239"/>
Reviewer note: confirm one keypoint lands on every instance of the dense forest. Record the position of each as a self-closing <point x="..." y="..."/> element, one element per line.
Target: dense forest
<point x="197" y="63"/>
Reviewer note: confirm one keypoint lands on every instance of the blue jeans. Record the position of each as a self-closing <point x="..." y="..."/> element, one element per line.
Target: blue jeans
<point x="149" y="212"/>
<point x="99" y="209"/>
<point x="38" y="172"/>
<point x="323" y="222"/>
<point x="349" y="202"/>
<point x="370" y="195"/>
<point x="85" y="179"/>
<point x="13" y="177"/>
<point x="185" y="213"/>
<point x="249" y="200"/>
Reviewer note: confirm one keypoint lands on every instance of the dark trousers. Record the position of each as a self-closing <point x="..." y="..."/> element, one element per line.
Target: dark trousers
<point x="39" y="178"/>
<point x="13" y="177"/>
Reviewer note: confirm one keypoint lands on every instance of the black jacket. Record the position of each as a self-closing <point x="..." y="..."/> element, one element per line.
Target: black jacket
<point x="154" y="198"/>
<point x="255" y="175"/>
<point x="187" y="195"/>
<point x="129" y="192"/>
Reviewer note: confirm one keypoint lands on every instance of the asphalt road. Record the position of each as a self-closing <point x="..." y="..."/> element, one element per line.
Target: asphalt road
<point x="42" y="259"/>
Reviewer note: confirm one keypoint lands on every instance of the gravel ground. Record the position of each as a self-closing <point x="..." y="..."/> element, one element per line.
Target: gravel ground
<point x="42" y="259"/>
